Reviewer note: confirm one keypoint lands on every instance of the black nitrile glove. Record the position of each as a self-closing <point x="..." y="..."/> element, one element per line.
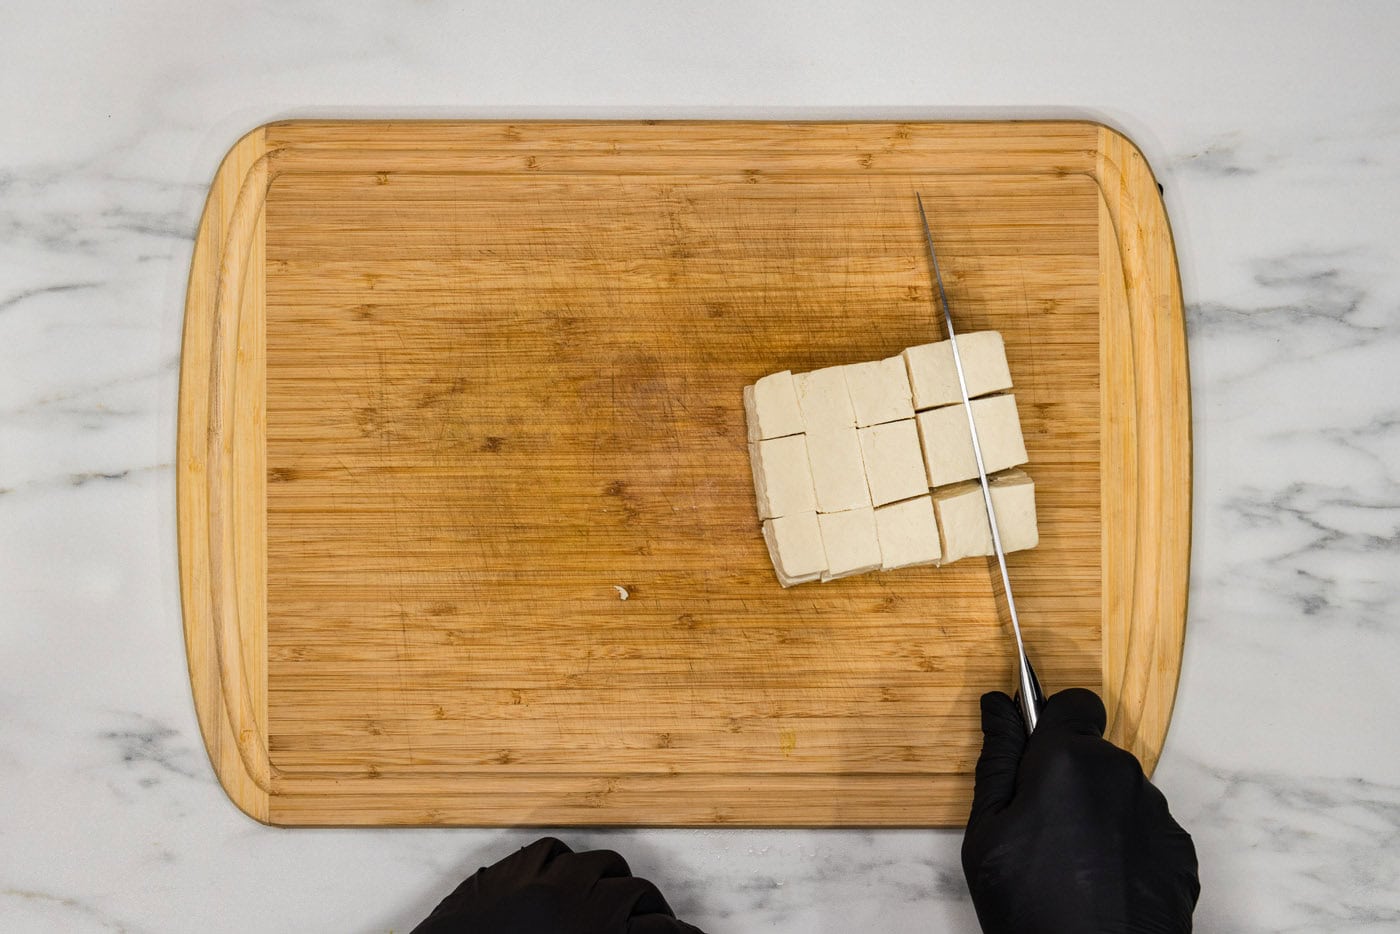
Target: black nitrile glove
<point x="547" y="888"/>
<point x="1066" y="835"/>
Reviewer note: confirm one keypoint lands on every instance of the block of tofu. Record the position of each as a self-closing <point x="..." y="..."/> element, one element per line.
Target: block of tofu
<point x="852" y="547"/>
<point x="1013" y="495"/>
<point x="933" y="378"/>
<point x="838" y="474"/>
<point x="908" y="533"/>
<point x="770" y="407"/>
<point x="962" y="521"/>
<point x="824" y="399"/>
<point x="795" y="545"/>
<point x="782" y="476"/>
<point x="879" y="391"/>
<point x="894" y="462"/>
<point x="948" y="444"/>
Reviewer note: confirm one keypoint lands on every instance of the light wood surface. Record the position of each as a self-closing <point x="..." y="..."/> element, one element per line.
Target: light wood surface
<point x="446" y="385"/>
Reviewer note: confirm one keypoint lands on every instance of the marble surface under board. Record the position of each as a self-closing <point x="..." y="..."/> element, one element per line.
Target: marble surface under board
<point x="1275" y="128"/>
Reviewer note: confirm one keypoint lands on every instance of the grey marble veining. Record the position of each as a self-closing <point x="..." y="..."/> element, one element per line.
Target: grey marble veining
<point x="1275" y="130"/>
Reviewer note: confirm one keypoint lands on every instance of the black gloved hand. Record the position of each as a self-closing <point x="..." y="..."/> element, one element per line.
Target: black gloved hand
<point x="1066" y="834"/>
<point x="547" y="888"/>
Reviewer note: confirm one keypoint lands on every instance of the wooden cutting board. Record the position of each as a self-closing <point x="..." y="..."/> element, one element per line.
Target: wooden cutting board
<point x="447" y="386"/>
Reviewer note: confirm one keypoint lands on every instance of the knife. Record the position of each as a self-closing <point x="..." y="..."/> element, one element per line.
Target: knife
<point x="1029" y="698"/>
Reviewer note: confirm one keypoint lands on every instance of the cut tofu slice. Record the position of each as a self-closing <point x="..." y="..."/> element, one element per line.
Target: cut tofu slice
<point x="782" y="476"/>
<point x="962" y="522"/>
<point x="948" y="444"/>
<point x="771" y="407"/>
<point x="962" y="516"/>
<point x="894" y="462"/>
<point x="1013" y="495"/>
<point x="908" y="534"/>
<point x="795" y="545"/>
<point x="933" y="377"/>
<point x="824" y="399"/>
<point x="838" y="474"/>
<point x="879" y="391"/>
<point x="852" y="546"/>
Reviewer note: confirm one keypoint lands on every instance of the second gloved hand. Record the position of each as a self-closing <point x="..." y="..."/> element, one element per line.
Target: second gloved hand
<point x="547" y="888"/>
<point x="1066" y="834"/>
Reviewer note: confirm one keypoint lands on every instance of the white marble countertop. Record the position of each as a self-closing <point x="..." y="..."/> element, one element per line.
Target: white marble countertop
<point x="1275" y="128"/>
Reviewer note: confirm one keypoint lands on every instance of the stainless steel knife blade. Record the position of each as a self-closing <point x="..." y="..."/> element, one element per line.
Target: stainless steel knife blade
<point x="1030" y="698"/>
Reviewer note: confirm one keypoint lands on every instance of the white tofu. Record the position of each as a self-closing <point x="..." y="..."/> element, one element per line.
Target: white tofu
<point x="1013" y="495"/>
<point x="771" y="407"/>
<point x="838" y="474"/>
<point x="782" y="476"/>
<point x="933" y="377"/>
<point x="908" y="533"/>
<point x="795" y="545"/>
<point x="879" y="391"/>
<point x="948" y="444"/>
<point x="824" y="399"/>
<point x="852" y="546"/>
<point x="962" y="516"/>
<point x="962" y="522"/>
<point x="894" y="462"/>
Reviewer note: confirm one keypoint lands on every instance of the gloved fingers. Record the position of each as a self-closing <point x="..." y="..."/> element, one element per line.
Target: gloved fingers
<point x="1003" y="742"/>
<point x="619" y="899"/>
<point x="660" y="924"/>
<point x="529" y="862"/>
<point x="1077" y="710"/>
<point x="581" y="871"/>
<point x="525" y="863"/>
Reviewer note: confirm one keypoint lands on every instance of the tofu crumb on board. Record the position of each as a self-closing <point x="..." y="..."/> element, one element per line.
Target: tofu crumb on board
<point x="782" y="476"/>
<point x="838" y="473"/>
<point x="894" y="462"/>
<point x="933" y="377"/>
<point x="844" y="459"/>
<point x="947" y="442"/>
<point x="879" y="391"/>
<point x="795" y="545"/>
<point x="771" y="407"/>
<point x="908" y="534"/>
<point x="851" y="543"/>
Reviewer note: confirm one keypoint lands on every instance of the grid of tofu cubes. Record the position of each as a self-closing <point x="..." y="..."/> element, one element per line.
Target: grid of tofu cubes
<point x="870" y="466"/>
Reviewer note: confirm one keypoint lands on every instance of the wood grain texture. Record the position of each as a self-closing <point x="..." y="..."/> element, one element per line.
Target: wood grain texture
<point x="446" y="384"/>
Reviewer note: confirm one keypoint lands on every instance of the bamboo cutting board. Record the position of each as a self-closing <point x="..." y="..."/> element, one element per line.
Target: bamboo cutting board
<point x="447" y="386"/>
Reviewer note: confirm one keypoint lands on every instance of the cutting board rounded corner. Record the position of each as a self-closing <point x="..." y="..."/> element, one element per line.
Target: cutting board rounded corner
<point x="1140" y="683"/>
<point x="227" y="713"/>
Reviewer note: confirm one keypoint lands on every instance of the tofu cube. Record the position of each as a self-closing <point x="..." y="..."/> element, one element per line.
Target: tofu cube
<point x="894" y="462"/>
<point x="771" y="407"/>
<point x="908" y="534"/>
<point x="824" y="399"/>
<point x="962" y="522"/>
<point x="879" y="391"/>
<point x="795" y="545"/>
<point x="933" y="377"/>
<point x="852" y="546"/>
<point x="782" y="476"/>
<point x="948" y="444"/>
<point x="962" y="516"/>
<point x="838" y="474"/>
<point x="1013" y="495"/>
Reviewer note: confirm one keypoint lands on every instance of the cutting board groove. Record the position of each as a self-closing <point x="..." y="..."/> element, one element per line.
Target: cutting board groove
<point x="446" y="385"/>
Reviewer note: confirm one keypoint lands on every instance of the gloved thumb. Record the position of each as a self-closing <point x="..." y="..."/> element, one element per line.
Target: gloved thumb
<point x="1076" y="710"/>
<point x="1003" y="742"/>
